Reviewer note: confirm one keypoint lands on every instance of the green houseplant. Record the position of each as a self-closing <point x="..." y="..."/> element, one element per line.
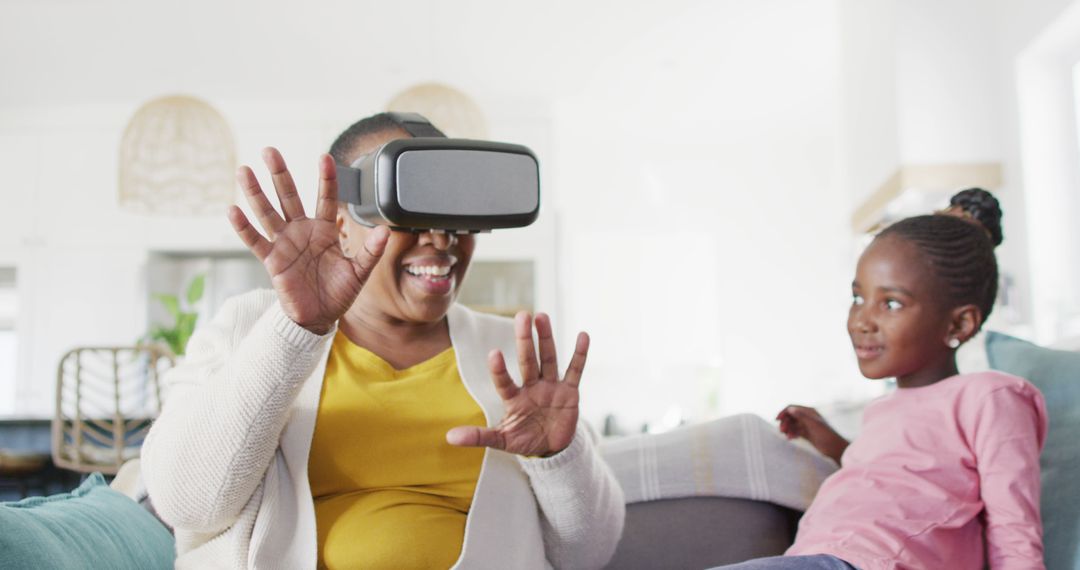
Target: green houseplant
<point x="184" y="317"/>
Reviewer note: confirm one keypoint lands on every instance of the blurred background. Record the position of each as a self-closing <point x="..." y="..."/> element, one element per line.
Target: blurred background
<point x="710" y="169"/>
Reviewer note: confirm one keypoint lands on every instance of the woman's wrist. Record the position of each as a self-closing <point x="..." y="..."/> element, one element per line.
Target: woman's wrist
<point x="559" y="458"/>
<point x="316" y="328"/>
<point x="293" y="332"/>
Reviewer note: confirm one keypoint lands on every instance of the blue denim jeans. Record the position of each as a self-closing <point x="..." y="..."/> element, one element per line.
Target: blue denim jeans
<point x="815" y="562"/>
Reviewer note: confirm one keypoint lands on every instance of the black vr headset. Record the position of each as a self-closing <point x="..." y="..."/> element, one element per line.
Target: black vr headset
<point x="430" y="182"/>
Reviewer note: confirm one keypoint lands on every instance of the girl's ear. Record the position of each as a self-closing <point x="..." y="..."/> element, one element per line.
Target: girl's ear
<point x="964" y="323"/>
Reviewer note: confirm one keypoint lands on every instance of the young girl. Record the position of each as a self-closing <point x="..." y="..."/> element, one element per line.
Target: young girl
<point x="945" y="474"/>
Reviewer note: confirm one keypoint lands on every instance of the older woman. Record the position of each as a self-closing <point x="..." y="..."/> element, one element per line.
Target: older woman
<point x="341" y="419"/>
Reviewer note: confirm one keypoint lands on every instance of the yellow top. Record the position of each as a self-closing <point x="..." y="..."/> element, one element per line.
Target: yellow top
<point x="389" y="491"/>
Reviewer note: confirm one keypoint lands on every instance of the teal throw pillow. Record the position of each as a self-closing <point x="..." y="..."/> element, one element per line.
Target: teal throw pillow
<point x="90" y="527"/>
<point x="1057" y="374"/>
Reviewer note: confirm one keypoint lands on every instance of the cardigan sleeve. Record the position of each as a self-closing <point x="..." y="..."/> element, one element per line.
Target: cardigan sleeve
<point x="581" y="503"/>
<point x="227" y="403"/>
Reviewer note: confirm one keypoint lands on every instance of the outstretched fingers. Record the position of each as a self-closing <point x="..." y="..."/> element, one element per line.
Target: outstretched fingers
<point x="326" y="207"/>
<point x="264" y="211"/>
<point x="577" y="363"/>
<point x="474" y="436"/>
<point x="526" y="353"/>
<point x="364" y="262"/>
<point x="251" y="237"/>
<point x="504" y="384"/>
<point x="289" y="198"/>
<point x="549" y="361"/>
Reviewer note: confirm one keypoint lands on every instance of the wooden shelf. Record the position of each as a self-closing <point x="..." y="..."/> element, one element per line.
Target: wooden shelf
<point x="870" y="215"/>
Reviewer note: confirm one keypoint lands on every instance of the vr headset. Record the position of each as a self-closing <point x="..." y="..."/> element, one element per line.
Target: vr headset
<point x="430" y="182"/>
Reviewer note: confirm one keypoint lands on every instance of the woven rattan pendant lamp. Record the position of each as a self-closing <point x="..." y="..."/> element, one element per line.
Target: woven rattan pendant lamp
<point x="178" y="158"/>
<point x="449" y="109"/>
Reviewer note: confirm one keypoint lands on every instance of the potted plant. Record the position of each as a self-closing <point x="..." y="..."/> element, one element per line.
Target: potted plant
<point x="183" y="314"/>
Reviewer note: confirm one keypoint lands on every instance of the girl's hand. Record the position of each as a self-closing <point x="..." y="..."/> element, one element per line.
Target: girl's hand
<point x="314" y="281"/>
<point x="541" y="415"/>
<point x="807" y="423"/>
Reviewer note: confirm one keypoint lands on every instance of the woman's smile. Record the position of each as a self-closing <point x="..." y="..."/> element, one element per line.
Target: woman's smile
<point x="430" y="274"/>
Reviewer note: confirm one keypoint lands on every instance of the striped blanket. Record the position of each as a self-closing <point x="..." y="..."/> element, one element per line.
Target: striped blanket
<point x="739" y="456"/>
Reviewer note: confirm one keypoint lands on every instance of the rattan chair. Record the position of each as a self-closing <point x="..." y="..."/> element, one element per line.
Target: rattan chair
<point x="106" y="399"/>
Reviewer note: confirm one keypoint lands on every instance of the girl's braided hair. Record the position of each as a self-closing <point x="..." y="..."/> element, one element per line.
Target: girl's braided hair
<point x="960" y="249"/>
<point x="982" y="207"/>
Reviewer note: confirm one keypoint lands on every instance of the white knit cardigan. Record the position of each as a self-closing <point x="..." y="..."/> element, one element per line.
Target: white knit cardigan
<point x="226" y="462"/>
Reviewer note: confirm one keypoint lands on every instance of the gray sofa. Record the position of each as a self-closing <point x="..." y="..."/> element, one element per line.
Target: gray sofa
<point x="713" y="493"/>
<point x="701" y="532"/>
<point x="672" y="534"/>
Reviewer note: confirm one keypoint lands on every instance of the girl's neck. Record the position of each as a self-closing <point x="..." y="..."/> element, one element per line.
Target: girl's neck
<point x="932" y="373"/>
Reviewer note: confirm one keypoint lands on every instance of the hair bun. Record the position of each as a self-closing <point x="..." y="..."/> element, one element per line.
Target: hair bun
<point x="982" y="207"/>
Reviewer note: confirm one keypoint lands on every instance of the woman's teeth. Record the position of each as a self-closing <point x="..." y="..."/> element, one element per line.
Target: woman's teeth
<point x="429" y="271"/>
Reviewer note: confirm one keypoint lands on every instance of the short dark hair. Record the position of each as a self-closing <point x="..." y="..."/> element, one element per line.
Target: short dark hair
<point x="960" y="253"/>
<point x="345" y="145"/>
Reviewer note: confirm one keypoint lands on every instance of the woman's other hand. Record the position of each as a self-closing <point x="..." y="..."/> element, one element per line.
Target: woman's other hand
<point x="315" y="282"/>
<point x="542" y="414"/>
<point x="807" y="423"/>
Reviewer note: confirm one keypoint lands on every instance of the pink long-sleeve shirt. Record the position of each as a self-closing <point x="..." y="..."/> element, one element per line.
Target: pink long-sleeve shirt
<point x="933" y="468"/>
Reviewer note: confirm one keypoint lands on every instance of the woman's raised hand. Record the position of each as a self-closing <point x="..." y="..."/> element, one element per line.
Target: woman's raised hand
<point x="541" y="414"/>
<point x="315" y="282"/>
<point x="807" y="423"/>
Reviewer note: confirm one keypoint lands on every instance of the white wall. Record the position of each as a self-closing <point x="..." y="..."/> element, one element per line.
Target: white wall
<point x="704" y="237"/>
<point x="81" y="259"/>
<point x="870" y="147"/>
<point x="280" y="76"/>
<point x="951" y="109"/>
<point x="690" y="155"/>
<point x="949" y="106"/>
<point x="1047" y="101"/>
<point x="701" y="160"/>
